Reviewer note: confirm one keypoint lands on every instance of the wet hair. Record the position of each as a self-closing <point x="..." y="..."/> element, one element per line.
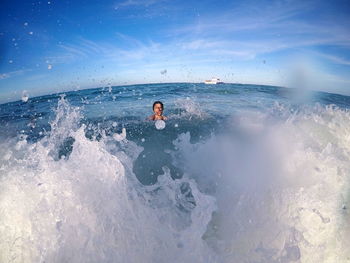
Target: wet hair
<point x="158" y="102"/>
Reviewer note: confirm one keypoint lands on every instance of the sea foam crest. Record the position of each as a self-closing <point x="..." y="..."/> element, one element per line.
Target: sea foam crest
<point x="88" y="207"/>
<point x="281" y="185"/>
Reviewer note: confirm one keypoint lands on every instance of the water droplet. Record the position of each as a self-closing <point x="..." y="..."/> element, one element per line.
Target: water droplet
<point x="25" y="24"/>
<point x="30" y="33"/>
<point x="143" y="140"/>
<point x="176" y="125"/>
<point x="25" y="96"/>
<point x="160" y="124"/>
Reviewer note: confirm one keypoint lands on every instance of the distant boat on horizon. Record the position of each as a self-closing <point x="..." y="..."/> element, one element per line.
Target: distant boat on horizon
<point x="213" y="81"/>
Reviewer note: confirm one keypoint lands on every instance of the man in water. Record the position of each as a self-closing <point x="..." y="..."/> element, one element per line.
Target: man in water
<point x="158" y="112"/>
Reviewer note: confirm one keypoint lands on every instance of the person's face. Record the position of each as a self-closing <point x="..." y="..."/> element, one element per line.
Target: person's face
<point x="158" y="109"/>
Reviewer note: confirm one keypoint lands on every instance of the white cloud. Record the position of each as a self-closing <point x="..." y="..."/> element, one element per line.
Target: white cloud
<point x="266" y="27"/>
<point x="74" y="50"/>
<point x="13" y="73"/>
<point x="242" y="33"/>
<point x="129" y="3"/>
<point x="202" y="44"/>
<point x="333" y="58"/>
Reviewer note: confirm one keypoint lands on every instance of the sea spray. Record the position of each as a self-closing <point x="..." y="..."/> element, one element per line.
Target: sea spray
<point x="240" y="174"/>
<point x="280" y="185"/>
<point x="86" y="207"/>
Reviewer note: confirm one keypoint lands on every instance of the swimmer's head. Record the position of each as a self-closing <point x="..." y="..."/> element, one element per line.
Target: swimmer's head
<point x="158" y="107"/>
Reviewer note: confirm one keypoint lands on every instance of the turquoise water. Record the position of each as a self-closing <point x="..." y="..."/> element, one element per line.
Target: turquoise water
<point x="240" y="173"/>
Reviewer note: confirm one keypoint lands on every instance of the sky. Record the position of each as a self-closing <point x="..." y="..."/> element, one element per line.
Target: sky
<point x="59" y="45"/>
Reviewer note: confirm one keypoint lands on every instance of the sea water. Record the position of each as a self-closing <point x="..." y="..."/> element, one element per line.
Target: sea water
<point x="238" y="173"/>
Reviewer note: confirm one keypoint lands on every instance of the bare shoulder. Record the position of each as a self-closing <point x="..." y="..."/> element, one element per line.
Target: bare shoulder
<point x="151" y="118"/>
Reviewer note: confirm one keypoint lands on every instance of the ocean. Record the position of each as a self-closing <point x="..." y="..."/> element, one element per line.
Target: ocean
<point x="238" y="173"/>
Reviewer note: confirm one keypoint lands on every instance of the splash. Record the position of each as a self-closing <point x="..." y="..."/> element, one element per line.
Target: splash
<point x="25" y="96"/>
<point x="280" y="185"/>
<point x="190" y="108"/>
<point x="268" y="186"/>
<point x="86" y="205"/>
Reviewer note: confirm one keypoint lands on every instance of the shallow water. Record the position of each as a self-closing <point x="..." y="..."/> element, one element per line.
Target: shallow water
<point x="240" y="173"/>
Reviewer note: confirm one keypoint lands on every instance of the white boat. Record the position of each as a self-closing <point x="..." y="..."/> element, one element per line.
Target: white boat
<point x="213" y="81"/>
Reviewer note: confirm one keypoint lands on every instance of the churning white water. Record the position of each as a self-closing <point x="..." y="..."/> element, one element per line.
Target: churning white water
<point x="269" y="186"/>
<point x="281" y="185"/>
<point x="90" y="208"/>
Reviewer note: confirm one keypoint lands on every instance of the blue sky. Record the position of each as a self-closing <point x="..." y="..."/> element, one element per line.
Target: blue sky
<point x="56" y="45"/>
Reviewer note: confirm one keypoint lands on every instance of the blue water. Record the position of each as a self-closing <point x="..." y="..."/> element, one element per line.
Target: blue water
<point x="132" y="104"/>
<point x="240" y="173"/>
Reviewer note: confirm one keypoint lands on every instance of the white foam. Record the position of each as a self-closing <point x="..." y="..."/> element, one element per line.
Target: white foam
<point x="120" y="136"/>
<point x="191" y="107"/>
<point x="25" y="96"/>
<point x="89" y="207"/>
<point x="280" y="186"/>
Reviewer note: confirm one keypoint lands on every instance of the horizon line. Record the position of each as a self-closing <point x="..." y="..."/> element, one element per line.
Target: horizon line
<point x="156" y="83"/>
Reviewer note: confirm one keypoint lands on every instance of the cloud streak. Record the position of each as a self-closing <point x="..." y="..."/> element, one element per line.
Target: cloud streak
<point x="12" y="74"/>
<point x="276" y="25"/>
<point x="132" y="3"/>
<point x="334" y="59"/>
<point x="140" y="37"/>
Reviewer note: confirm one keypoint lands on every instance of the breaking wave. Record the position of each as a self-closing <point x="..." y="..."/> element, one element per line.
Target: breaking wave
<point x="264" y="186"/>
